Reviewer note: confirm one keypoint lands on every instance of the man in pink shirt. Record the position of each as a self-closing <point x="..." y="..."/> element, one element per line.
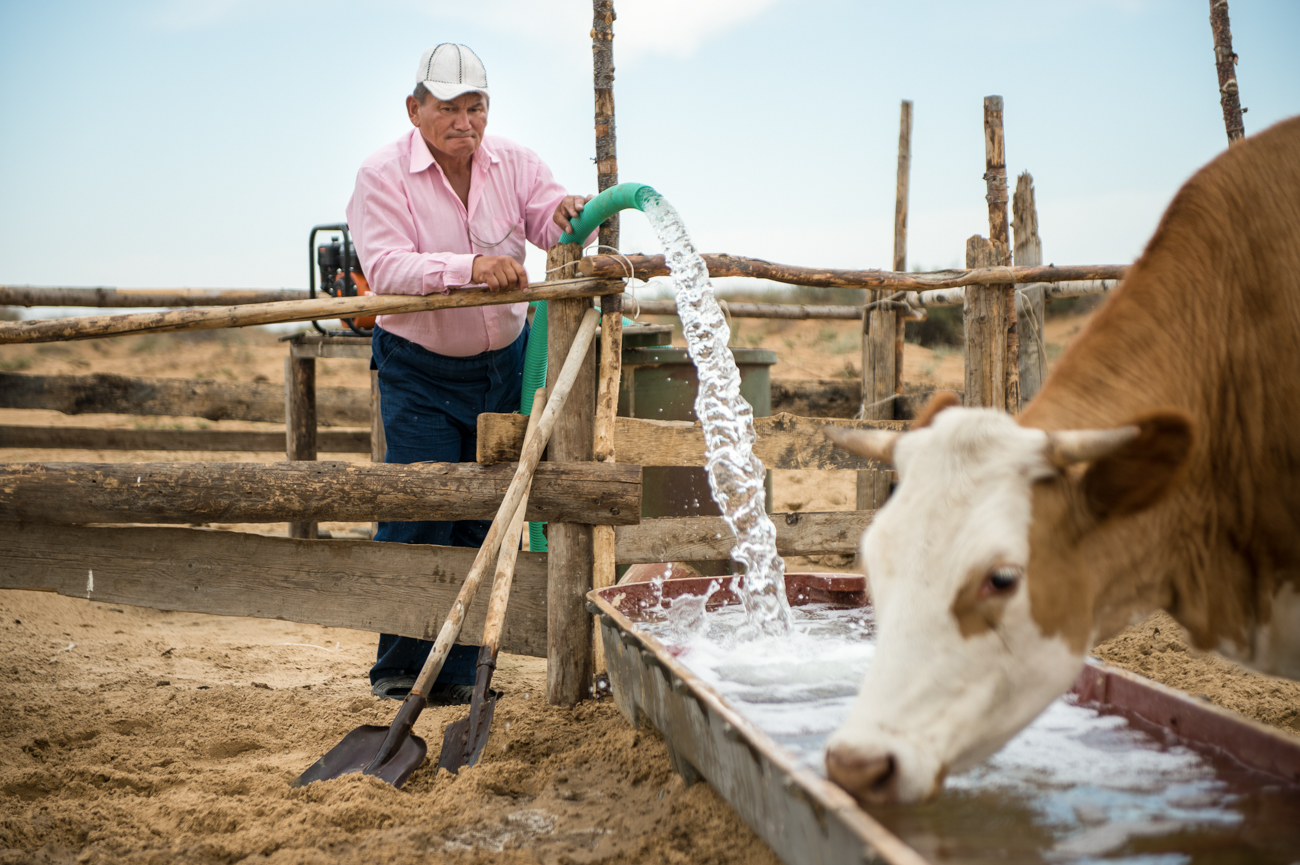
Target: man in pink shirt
<point x="447" y="207"/>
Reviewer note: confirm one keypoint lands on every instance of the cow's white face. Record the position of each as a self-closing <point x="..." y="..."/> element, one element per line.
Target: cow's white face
<point x="983" y="613"/>
<point x="960" y="665"/>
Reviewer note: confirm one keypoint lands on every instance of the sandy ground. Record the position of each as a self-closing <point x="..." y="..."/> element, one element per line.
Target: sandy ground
<point x="136" y="735"/>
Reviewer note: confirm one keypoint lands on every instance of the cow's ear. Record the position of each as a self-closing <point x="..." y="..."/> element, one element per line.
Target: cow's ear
<point x="1137" y="474"/>
<point x="938" y="402"/>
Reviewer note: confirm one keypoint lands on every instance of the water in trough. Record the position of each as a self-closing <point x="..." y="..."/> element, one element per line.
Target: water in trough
<point x="1077" y="785"/>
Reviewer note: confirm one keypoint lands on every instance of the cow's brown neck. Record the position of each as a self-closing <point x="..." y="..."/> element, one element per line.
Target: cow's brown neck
<point x="1207" y="322"/>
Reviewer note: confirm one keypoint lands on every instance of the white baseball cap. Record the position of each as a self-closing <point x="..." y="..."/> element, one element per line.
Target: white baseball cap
<point x="450" y="69"/>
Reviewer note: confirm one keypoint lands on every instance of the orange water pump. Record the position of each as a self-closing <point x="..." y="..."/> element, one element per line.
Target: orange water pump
<point x="340" y="276"/>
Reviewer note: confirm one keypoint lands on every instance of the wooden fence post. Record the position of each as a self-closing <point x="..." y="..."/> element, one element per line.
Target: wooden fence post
<point x="378" y="442"/>
<point x="995" y="177"/>
<point x="569" y="662"/>
<point x="300" y="421"/>
<point x="1225" y="62"/>
<point x="882" y="332"/>
<point x="900" y="226"/>
<point x="611" y="305"/>
<point x="1029" y="299"/>
<point x="983" y="317"/>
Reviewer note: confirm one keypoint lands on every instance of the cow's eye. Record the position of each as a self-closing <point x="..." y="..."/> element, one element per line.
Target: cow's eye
<point x="1002" y="580"/>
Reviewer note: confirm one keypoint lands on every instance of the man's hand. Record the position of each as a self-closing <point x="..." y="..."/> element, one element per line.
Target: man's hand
<point x="569" y="208"/>
<point x="499" y="273"/>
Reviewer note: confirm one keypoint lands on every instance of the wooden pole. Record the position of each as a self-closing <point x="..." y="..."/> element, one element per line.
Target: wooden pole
<point x="378" y="440"/>
<point x="995" y="176"/>
<point x="1225" y="62"/>
<point x="570" y="556"/>
<point x="611" y="305"/>
<point x="90" y="327"/>
<point x="646" y="266"/>
<point x="300" y="422"/>
<point x="602" y="57"/>
<point x="1030" y="299"/>
<point x="984" y="317"/>
<point x="900" y="225"/>
<point x="882" y="332"/>
<point x="102" y="296"/>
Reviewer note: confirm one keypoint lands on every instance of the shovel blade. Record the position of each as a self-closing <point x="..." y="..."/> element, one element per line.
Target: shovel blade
<point x="462" y="746"/>
<point x="358" y="750"/>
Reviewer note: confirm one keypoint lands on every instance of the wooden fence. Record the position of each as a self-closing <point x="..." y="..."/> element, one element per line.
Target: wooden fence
<point x="589" y="489"/>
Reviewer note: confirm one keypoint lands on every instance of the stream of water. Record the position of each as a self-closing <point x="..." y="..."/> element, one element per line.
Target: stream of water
<point x="735" y="474"/>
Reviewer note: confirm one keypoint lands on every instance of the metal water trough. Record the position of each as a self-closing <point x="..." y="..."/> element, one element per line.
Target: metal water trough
<point x="801" y="815"/>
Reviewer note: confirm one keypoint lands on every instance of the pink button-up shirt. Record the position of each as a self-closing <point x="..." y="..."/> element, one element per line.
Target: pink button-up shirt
<point x="414" y="236"/>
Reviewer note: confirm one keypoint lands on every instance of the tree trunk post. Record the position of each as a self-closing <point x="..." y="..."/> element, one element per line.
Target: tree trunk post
<point x="900" y="226"/>
<point x="378" y="442"/>
<point x="569" y="662"/>
<point x="300" y="421"/>
<point x="882" y="332"/>
<point x="1029" y="300"/>
<point x="984" y="318"/>
<point x="1225" y="61"/>
<point x="995" y="176"/>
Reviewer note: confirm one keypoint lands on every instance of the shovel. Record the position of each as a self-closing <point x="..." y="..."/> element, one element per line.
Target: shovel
<point x="392" y="753"/>
<point x="463" y="741"/>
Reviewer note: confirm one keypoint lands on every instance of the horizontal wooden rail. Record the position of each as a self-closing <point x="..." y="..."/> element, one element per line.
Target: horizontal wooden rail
<point x="1051" y="291"/>
<point x="798" y="311"/>
<point x="784" y="441"/>
<point x="646" y="266"/>
<point x="104" y="296"/>
<point x="308" y="491"/>
<point x="402" y="589"/>
<point x="105" y="393"/>
<point x="693" y="539"/>
<point x="212" y="318"/>
<point x="352" y="441"/>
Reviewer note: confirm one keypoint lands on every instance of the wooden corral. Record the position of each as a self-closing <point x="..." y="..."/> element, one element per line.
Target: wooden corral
<point x="74" y="527"/>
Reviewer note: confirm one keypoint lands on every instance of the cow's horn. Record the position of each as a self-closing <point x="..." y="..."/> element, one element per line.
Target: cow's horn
<point x="874" y="444"/>
<point x="1067" y="447"/>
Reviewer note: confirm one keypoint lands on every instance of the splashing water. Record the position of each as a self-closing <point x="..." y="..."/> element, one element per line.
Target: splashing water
<point x="735" y="474"/>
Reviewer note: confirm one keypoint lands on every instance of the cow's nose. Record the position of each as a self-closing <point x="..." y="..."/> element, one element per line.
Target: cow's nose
<point x="869" y="778"/>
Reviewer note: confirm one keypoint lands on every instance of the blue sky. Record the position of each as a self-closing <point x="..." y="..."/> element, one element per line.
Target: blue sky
<point x="167" y="143"/>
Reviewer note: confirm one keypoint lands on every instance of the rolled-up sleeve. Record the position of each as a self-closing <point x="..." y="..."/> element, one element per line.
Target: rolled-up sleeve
<point x="385" y="232"/>
<point x="543" y="195"/>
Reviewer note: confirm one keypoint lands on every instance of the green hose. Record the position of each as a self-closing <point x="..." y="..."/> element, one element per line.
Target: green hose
<point x="625" y="196"/>
<point x="535" y="377"/>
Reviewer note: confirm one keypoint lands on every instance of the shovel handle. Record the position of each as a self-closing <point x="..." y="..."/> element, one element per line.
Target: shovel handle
<point x="539" y="432"/>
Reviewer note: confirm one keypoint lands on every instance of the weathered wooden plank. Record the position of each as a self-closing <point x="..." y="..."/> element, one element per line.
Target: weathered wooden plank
<point x="784" y="441"/>
<point x="402" y="589"/>
<point x="105" y="393"/>
<point x="693" y="539"/>
<point x="341" y="441"/>
<point x="983" y="318"/>
<point x="1029" y="300"/>
<point x="71" y="493"/>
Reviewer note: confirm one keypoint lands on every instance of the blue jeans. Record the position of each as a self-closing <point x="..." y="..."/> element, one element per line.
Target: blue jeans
<point x="430" y="404"/>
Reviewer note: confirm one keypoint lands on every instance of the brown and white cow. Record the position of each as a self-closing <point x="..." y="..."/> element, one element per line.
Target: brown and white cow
<point x="1159" y="468"/>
